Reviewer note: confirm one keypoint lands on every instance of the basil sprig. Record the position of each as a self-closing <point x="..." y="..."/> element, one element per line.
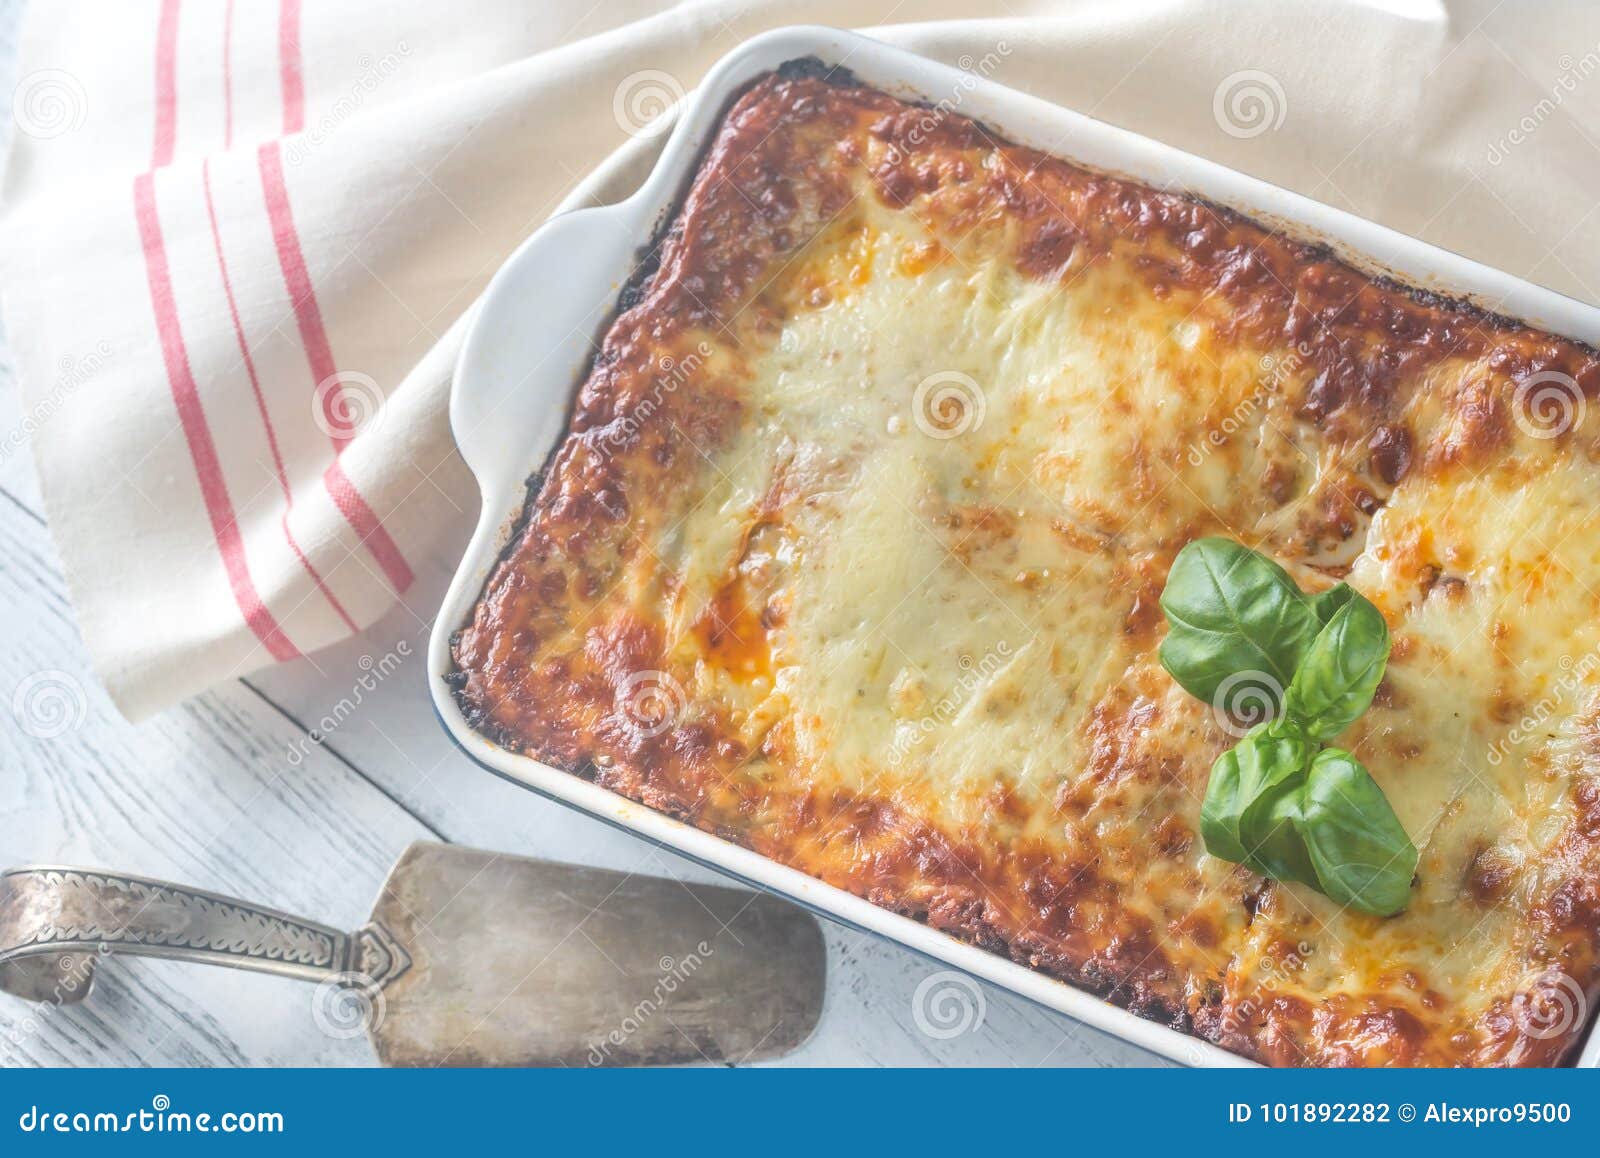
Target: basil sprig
<point x="1231" y="610"/>
<point x="1339" y="672"/>
<point x="1278" y="801"/>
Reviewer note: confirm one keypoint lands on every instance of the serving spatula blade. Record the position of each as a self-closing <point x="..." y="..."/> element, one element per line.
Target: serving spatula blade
<point x="526" y="962"/>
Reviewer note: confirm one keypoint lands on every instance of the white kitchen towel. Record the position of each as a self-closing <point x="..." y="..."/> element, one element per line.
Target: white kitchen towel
<point x="237" y="236"/>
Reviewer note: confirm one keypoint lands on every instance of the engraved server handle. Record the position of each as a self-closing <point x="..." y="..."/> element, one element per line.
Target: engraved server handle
<point x="55" y="922"/>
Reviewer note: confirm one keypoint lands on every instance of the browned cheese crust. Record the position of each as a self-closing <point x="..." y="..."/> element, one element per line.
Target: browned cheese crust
<point x="754" y="590"/>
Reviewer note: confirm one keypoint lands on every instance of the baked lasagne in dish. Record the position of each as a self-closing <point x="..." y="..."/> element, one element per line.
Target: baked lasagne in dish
<point x="852" y="550"/>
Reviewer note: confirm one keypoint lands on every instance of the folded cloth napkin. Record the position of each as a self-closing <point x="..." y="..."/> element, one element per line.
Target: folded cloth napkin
<point x="238" y="237"/>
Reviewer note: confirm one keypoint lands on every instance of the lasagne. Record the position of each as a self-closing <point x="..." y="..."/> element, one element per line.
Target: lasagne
<point x="852" y="550"/>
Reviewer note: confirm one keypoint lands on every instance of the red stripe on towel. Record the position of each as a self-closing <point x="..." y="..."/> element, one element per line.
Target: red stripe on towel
<point x="314" y="336"/>
<point x="227" y="75"/>
<point x="261" y="404"/>
<point x="166" y="84"/>
<point x="294" y="89"/>
<point x="191" y="416"/>
<point x="367" y="525"/>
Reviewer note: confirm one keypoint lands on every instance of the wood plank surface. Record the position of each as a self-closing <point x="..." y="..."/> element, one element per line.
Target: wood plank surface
<point x="201" y="794"/>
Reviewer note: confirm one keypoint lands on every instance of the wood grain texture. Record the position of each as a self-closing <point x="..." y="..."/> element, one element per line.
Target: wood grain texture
<point x="203" y="795"/>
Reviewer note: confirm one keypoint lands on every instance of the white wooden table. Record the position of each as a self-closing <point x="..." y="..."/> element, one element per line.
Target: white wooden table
<point x="207" y="794"/>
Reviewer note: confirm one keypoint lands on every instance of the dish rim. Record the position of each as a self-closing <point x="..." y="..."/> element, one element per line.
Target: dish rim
<point x="599" y="245"/>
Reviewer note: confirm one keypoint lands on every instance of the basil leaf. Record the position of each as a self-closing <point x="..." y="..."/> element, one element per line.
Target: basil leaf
<point x="1269" y="755"/>
<point x="1266" y="830"/>
<point x="1357" y="845"/>
<point x="1340" y="671"/>
<point x="1232" y="611"/>
<point x="1273" y="834"/>
<point x="1219" y="811"/>
<point x="1329" y="601"/>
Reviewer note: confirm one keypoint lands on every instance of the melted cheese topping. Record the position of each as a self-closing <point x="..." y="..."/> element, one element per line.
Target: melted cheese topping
<point x="867" y="579"/>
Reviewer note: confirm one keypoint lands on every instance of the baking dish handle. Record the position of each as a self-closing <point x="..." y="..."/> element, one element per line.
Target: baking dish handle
<point x="532" y="335"/>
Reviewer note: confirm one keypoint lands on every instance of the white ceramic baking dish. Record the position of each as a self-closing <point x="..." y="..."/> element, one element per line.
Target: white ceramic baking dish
<point x="534" y="332"/>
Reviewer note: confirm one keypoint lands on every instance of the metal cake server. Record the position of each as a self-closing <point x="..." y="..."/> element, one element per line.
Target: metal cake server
<point x="470" y="958"/>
